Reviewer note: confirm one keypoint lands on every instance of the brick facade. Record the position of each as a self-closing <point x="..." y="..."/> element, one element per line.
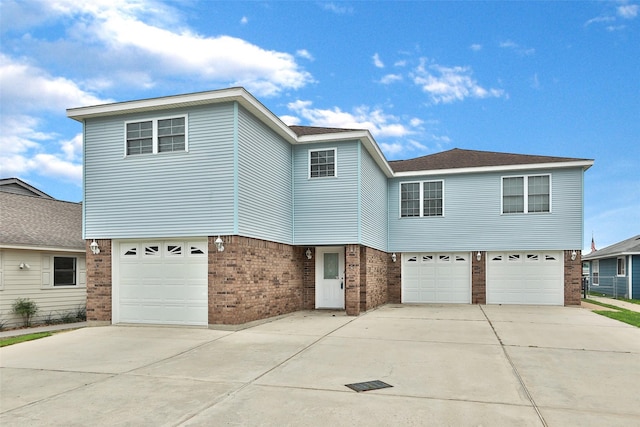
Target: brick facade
<point x="373" y="278"/>
<point x="394" y="279"/>
<point x="99" y="283"/>
<point x="572" y="278"/>
<point x="352" y="279"/>
<point x="479" y="278"/>
<point x="309" y="281"/>
<point x="253" y="279"/>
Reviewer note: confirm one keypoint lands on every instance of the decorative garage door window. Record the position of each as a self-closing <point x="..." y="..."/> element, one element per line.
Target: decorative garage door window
<point x="168" y="249"/>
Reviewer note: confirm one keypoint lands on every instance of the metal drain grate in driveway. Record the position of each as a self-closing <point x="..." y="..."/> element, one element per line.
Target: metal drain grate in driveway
<point x="368" y="385"/>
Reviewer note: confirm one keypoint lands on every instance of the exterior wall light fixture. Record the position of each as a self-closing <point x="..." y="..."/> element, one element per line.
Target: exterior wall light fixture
<point x="574" y="254"/>
<point x="219" y="244"/>
<point x="308" y="253"/>
<point x="478" y="256"/>
<point x="24" y="265"/>
<point x="95" y="249"/>
<point x="394" y="257"/>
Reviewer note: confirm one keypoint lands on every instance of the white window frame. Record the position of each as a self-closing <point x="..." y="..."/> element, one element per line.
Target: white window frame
<point x="335" y="163"/>
<point x="624" y="266"/>
<point x="154" y="137"/>
<point x="525" y="183"/>
<point x="48" y="271"/>
<point x="595" y="273"/>
<point x="422" y="215"/>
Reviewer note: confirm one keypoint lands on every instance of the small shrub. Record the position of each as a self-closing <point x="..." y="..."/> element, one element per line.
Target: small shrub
<point x="49" y="319"/>
<point x="68" y="317"/>
<point x="81" y="313"/>
<point x="26" y="309"/>
<point x="3" y="324"/>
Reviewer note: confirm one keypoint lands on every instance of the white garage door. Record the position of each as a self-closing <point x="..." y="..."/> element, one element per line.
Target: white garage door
<point x="161" y="282"/>
<point x="436" y="277"/>
<point x="525" y="278"/>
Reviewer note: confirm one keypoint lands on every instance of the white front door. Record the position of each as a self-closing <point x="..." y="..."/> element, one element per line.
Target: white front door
<point x="330" y="277"/>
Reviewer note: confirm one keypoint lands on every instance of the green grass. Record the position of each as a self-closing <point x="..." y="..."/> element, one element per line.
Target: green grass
<point x="22" y="338"/>
<point x="626" y="316"/>
<point x="620" y="314"/>
<point x="632" y="301"/>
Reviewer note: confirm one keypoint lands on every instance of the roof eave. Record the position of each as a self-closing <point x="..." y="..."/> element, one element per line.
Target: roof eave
<point x="237" y="94"/>
<point x="585" y="164"/>
<point x="364" y="136"/>
<point x="42" y="248"/>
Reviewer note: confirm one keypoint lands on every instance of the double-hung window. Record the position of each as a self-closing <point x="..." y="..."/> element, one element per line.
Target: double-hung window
<point x="595" y="273"/>
<point x="526" y="194"/>
<point x="322" y="163"/>
<point x="420" y="199"/>
<point x="156" y="136"/>
<point x="64" y="271"/>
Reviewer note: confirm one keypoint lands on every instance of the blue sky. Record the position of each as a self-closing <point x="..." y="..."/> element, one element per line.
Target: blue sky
<point x="547" y="78"/>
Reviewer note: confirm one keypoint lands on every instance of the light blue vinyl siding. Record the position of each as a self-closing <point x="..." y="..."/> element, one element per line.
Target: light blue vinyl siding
<point x="265" y="190"/>
<point x="326" y="209"/>
<point x="373" y="203"/>
<point x="473" y="221"/>
<point x="160" y="195"/>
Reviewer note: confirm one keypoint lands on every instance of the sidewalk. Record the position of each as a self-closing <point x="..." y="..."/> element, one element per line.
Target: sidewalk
<point x="48" y="328"/>
<point x="617" y="303"/>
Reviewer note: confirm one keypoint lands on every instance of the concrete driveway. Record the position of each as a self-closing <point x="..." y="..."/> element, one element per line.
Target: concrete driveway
<point x="449" y="365"/>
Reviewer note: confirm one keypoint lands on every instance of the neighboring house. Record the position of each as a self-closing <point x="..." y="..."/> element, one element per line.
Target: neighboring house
<point x="615" y="270"/>
<point x="208" y="209"/>
<point x="42" y="253"/>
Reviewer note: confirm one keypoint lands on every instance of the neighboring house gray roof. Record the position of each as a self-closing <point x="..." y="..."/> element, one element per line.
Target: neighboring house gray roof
<point x="33" y="221"/>
<point x="626" y="247"/>
<point x="314" y="130"/>
<point x="18" y="186"/>
<point x="459" y="158"/>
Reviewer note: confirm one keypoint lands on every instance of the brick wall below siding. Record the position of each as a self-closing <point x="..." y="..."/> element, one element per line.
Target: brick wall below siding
<point x="352" y="279"/>
<point x="394" y="279"/>
<point x="479" y="278"/>
<point x="253" y="279"/>
<point x="572" y="278"/>
<point x="373" y="278"/>
<point x="99" y="283"/>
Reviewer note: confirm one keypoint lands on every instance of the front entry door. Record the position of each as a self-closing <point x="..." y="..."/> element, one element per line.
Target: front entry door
<point x="330" y="281"/>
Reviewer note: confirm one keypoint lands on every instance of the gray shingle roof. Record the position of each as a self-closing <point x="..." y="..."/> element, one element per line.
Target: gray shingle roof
<point x="314" y="130"/>
<point x="39" y="222"/>
<point x="629" y="246"/>
<point x="459" y="158"/>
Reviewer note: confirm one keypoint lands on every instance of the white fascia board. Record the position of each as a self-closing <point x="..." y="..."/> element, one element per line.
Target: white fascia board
<point x="42" y="248"/>
<point x="237" y="94"/>
<point x="611" y="255"/>
<point x="363" y="136"/>
<point x="585" y="164"/>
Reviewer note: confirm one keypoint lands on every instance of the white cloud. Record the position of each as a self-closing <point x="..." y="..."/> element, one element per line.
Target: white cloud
<point x="377" y="61"/>
<point x="524" y="51"/>
<point x="400" y="63"/>
<point x="449" y="84"/>
<point x="475" y="47"/>
<point x="144" y="30"/>
<point x="628" y="11"/>
<point x="390" y="78"/>
<point x="391" y="149"/>
<point x="339" y="10"/>
<point x="244" y="20"/>
<point x="28" y="88"/>
<point x="375" y="120"/>
<point x="304" y="53"/>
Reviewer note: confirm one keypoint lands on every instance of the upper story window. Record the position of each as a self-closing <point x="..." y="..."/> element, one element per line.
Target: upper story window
<point x="526" y="194"/>
<point x="425" y="198"/>
<point x="322" y="163"/>
<point x="156" y="136"/>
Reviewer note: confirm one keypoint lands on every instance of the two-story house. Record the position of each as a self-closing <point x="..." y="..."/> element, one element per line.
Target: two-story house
<point x="207" y="209"/>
